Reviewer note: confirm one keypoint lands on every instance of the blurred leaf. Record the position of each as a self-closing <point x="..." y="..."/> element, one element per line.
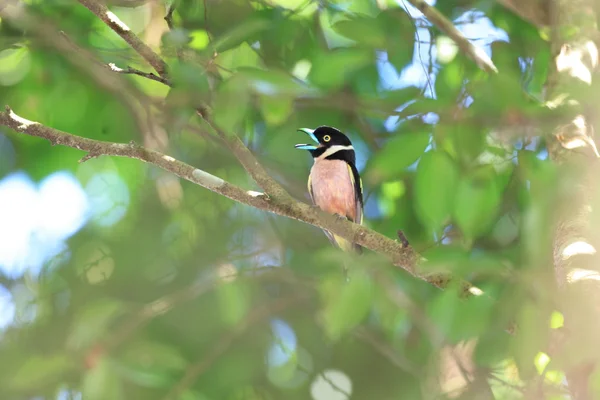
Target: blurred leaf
<point x="275" y="110"/>
<point x="231" y="104"/>
<point x="14" y="65"/>
<point x="233" y="302"/>
<point x="346" y="304"/>
<point x="331" y="70"/>
<point x="362" y="30"/>
<point x="476" y="204"/>
<point x="92" y="322"/>
<point x="532" y="322"/>
<point x="272" y="82"/>
<point x="200" y="39"/>
<point x="240" y="33"/>
<point x="401" y="151"/>
<point x="241" y="56"/>
<point x="38" y="371"/>
<point x="280" y="374"/>
<point x="400" y="33"/>
<point x="435" y="189"/>
<point x="150" y="364"/>
<point x="102" y="382"/>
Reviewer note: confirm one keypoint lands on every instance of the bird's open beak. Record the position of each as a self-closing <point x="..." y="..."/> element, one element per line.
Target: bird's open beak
<point x="309" y="132"/>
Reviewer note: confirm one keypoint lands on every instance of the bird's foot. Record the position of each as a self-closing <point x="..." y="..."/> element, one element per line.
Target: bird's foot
<point x="339" y="216"/>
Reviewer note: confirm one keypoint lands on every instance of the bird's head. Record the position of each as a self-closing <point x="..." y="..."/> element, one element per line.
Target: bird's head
<point x="328" y="141"/>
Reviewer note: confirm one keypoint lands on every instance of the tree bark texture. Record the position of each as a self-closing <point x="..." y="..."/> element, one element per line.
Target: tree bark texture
<point x="570" y="84"/>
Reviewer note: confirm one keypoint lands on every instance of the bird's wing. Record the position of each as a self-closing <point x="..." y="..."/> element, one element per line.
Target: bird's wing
<point x="358" y="193"/>
<point x="310" y="189"/>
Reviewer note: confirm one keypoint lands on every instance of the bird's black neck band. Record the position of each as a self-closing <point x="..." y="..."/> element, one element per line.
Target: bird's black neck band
<point x="345" y="155"/>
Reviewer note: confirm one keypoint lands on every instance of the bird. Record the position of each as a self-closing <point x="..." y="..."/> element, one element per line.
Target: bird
<point x="334" y="183"/>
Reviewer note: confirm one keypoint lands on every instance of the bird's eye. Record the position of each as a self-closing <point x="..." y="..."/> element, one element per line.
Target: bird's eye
<point x="326" y="138"/>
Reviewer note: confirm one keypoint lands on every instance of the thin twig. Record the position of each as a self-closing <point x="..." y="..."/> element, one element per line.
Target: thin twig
<point x="133" y="71"/>
<point x="446" y="26"/>
<point x="114" y="23"/>
<point x="169" y="17"/>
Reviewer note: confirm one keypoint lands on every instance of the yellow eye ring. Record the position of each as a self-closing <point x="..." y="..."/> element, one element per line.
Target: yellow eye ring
<point x="326" y="138"/>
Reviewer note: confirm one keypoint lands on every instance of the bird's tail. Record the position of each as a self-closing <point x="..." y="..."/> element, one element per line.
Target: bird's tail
<point x="346" y="245"/>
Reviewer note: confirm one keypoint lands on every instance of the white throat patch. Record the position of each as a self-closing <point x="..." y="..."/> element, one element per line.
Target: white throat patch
<point x="332" y="150"/>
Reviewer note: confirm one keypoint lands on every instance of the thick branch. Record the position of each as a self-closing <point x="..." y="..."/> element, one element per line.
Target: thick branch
<point x="114" y="23"/>
<point x="400" y="255"/>
<point x="446" y="26"/>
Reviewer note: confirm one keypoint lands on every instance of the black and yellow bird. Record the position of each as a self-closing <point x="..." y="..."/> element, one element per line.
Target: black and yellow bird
<point x="334" y="183"/>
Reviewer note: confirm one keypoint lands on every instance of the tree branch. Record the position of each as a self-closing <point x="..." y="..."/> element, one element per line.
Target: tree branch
<point x="446" y="26"/>
<point x="401" y="256"/>
<point x="258" y="173"/>
<point x="133" y="71"/>
<point x="114" y="23"/>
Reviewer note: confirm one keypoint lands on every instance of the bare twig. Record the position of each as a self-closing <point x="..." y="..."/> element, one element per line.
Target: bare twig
<point x="401" y="256"/>
<point x="169" y="17"/>
<point x="446" y="26"/>
<point x="114" y="23"/>
<point x="133" y="71"/>
<point x="250" y="163"/>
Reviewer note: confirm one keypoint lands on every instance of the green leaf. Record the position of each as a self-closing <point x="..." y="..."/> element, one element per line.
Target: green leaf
<point x="200" y="39"/>
<point x="460" y="319"/>
<point x="240" y="33"/>
<point x="231" y="104"/>
<point x="275" y="110"/>
<point x="346" y="304"/>
<point x="435" y="188"/>
<point x="151" y="364"/>
<point x="39" y="370"/>
<point x="400" y="33"/>
<point x="14" y="65"/>
<point x="362" y="30"/>
<point x="241" y="56"/>
<point x="476" y="205"/>
<point x="272" y="82"/>
<point x="532" y="338"/>
<point x="398" y="153"/>
<point x="233" y="302"/>
<point x="280" y="374"/>
<point x="102" y="382"/>
<point x="331" y="70"/>
<point x="92" y="322"/>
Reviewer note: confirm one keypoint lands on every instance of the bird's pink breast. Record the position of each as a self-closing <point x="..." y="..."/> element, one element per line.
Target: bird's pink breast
<point x="332" y="188"/>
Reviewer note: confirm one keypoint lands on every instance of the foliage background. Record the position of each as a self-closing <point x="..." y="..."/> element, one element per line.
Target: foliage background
<point x="119" y="281"/>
